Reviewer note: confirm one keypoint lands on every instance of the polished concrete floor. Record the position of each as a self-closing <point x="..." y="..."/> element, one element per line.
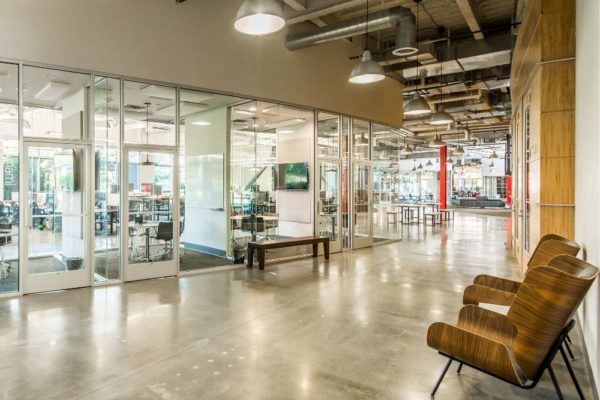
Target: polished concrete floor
<point x="352" y="327"/>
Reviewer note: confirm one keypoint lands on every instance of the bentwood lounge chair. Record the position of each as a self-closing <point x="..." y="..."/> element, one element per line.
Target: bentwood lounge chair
<point x="500" y="291"/>
<point x="520" y="346"/>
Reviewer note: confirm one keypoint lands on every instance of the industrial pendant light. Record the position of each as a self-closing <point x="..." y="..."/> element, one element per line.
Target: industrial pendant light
<point x="259" y="17"/>
<point x="367" y="71"/>
<point x="406" y="149"/>
<point x="436" y="142"/>
<point x="420" y="166"/>
<point x="449" y="160"/>
<point x="494" y="155"/>
<point x="429" y="163"/>
<point x="418" y="105"/>
<point x="441" y="117"/>
<point x="459" y="151"/>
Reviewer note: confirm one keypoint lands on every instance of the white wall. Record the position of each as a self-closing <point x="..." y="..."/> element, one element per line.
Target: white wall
<point x="204" y="225"/>
<point x="194" y="44"/>
<point x="587" y="176"/>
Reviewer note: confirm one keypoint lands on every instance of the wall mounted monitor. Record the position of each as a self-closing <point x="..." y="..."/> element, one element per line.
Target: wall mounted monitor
<point x="293" y="176"/>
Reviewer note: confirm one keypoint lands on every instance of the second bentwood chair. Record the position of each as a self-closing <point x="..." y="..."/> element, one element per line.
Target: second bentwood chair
<point x="500" y="291"/>
<point x="520" y="346"/>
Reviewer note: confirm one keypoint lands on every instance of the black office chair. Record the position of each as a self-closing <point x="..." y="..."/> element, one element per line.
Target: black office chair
<point x="165" y="233"/>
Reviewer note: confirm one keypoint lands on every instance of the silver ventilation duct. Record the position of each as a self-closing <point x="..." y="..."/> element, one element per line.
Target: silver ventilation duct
<point x="399" y="17"/>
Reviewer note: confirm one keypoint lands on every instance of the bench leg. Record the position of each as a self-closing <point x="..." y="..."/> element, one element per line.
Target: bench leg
<point x="250" y="256"/>
<point x="261" y="258"/>
<point x="315" y="248"/>
<point x="326" y="249"/>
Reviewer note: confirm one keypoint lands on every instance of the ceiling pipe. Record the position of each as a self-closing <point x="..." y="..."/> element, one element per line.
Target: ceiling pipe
<point x="393" y="17"/>
<point x="451" y="99"/>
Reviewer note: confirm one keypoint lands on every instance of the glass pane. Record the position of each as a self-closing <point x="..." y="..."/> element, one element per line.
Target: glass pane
<point x="55" y="104"/>
<point x="360" y="139"/>
<point x="56" y="209"/>
<point x="150" y="227"/>
<point x="329" y="198"/>
<point x="107" y="260"/>
<point x="202" y="148"/>
<point x="387" y="144"/>
<point x="9" y="195"/>
<point x="271" y="147"/>
<point x="361" y="201"/>
<point x="328" y="135"/>
<point x="150" y="114"/>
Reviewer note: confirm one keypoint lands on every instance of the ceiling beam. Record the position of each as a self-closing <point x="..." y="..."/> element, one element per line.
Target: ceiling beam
<point x="466" y="8"/>
<point x="297" y="5"/>
<point x="309" y="15"/>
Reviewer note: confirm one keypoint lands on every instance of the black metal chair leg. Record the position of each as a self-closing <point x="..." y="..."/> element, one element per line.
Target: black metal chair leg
<point x="569" y="338"/>
<point x="459" y="368"/>
<point x="555" y="382"/>
<point x="439" y="381"/>
<point x="572" y="373"/>
<point x="568" y="349"/>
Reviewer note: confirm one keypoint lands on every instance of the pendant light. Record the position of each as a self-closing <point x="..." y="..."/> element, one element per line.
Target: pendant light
<point x="429" y="163"/>
<point x="367" y="71"/>
<point x="148" y="162"/>
<point x="406" y="149"/>
<point x="420" y="166"/>
<point x="449" y="160"/>
<point x="418" y="105"/>
<point x="459" y="151"/>
<point x="436" y="142"/>
<point x="259" y="17"/>
<point x="494" y="155"/>
<point x="441" y="117"/>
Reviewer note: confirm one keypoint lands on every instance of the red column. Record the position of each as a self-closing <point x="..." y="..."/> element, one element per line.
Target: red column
<point x="443" y="178"/>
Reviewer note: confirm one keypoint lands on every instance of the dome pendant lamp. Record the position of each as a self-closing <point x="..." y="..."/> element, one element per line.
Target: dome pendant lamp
<point x="418" y="105"/>
<point x="259" y="17"/>
<point x="441" y="117"/>
<point x="367" y="71"/>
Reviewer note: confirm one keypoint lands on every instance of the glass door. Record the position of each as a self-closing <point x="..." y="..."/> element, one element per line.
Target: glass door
<point x="328" y="203"/>
<point x="151" y="214"/>
<point x="56" y="235"/>
<point x="363" y="215"/>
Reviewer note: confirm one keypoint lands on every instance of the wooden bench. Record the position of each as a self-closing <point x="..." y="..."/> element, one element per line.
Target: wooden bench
<point x="264" y="245"/>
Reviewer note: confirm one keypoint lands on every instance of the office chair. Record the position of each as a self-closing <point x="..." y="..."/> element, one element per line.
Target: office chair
<point x="164" y="233"/>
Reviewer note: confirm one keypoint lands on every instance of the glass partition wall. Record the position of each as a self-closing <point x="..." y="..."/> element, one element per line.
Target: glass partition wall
<point x="387" y="144"/>
<point x="127" y="180"/>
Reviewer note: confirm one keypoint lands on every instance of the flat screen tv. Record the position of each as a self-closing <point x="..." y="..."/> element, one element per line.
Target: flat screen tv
<point x="293" y="176"/>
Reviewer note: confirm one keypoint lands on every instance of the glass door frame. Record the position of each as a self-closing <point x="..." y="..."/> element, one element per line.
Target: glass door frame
<point x="334" y="246"/>
<point x="153" y="269"/>
<point x="367" y="241"/>
<point x="54" y="280"/>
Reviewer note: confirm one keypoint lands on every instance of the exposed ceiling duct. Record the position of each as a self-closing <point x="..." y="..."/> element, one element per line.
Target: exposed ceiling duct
<point x="399" y="17"/>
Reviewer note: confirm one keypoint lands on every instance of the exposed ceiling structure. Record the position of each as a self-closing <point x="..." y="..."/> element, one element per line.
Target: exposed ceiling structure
<point x="463" y="63"/>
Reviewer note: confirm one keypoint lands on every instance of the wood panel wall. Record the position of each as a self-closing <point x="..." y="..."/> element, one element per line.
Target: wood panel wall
<point x="543" y="86"/>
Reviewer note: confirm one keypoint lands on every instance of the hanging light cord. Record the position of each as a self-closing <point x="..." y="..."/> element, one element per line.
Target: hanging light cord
<point x="417" y="40"/>
<point x="367" y="29"/>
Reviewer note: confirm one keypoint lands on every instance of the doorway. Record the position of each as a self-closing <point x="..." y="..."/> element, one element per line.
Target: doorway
<point x="151" y="214"/>
<point x="362" y="204"/>
<point x="56" y="238"/>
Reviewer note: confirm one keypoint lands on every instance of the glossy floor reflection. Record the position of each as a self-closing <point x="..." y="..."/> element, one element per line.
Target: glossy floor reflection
<point x="350" y="328"/>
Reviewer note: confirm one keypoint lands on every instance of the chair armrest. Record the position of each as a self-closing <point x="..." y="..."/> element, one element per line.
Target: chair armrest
<point x="494" y="282"/>
<point x="476" y="294"/>
<point x="487" y="323"/>
<point x="481" y="352"/>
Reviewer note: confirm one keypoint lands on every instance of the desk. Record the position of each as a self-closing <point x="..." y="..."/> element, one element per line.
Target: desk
<point x="406" y="211"/>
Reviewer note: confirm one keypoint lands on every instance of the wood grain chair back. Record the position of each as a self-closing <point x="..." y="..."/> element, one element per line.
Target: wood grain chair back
<point x="550" y="246"/>
<point x="544" y="305"/>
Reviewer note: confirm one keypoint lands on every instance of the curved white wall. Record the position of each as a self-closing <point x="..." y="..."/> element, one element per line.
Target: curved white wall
<point x="193" y="44"/>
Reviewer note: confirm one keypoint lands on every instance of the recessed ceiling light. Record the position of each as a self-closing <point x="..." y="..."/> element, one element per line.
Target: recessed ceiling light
<point x="285" y="131"/>
<point x="201" y="123"/>
<point x="300" y="120"/>
<point x="244" y="112"/>
<point x="252" y="109"/>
